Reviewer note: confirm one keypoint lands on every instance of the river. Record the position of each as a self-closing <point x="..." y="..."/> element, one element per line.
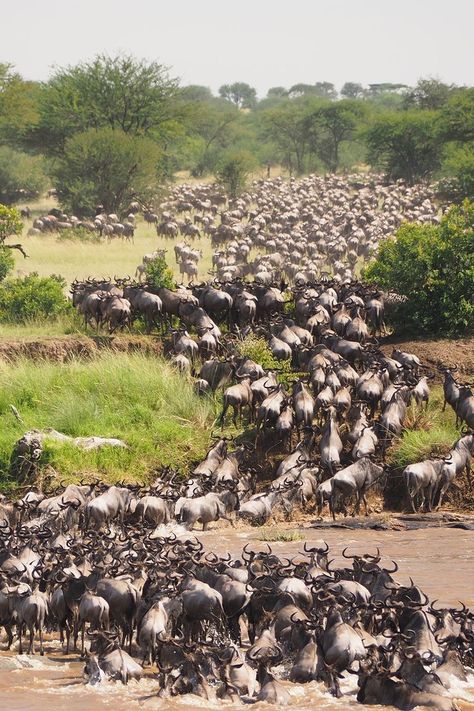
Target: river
<point x="440" y="561"/>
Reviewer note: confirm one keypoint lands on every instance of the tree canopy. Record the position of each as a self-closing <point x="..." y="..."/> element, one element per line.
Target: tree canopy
<point x="405" y="145"/>
<point x="108" y="167"/>
<point x="239" y="93"/>
<point x="424" y="132"/>
<point x="433" y="267"/>
<point x="136" y="97"/>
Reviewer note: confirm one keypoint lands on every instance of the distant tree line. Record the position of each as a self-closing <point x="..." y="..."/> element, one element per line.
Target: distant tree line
<point x="116" y="129"/>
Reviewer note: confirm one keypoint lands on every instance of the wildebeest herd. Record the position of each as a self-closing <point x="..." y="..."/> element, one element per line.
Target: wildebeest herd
<point x="101" y="560"/>
<point x="80" y="564"/>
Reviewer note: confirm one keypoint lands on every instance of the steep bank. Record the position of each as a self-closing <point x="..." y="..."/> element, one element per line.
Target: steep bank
<point x="60" y="349"/>
<point x="432" y="352"/>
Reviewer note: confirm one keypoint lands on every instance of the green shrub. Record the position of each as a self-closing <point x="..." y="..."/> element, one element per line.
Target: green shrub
<point x="21" y="175"/>
<point x="108" y="167"/>
<point x="158" y="274"/>
<point x="32" y="297"/>
<point x="10" y="222"/>
<point x="279" y="535"/>
<point x="427" y="434"/>
<point x="233" y="170"/>
<point x="7" y="262"/>
<point x="458" y="182"/>
<point x="257" y="349"/>
<point x="433" y="267"/>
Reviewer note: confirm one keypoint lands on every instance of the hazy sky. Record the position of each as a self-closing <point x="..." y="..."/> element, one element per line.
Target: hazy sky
<point x="263" y="42"/>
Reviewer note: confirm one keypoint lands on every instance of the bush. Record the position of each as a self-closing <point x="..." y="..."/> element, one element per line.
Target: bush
<point x="21" y="175"/>
<point x="10" y="222"/>
<point x="433" y="267"/>
<point x="405" y="145"/>
<point x="234" y="169"/>
<point x="257" y="349"/>
<point x="159" y="275"/>
<point x="458" y="169"/>
<point x="6" y="262"/>
<point x="108" y="167"/>
<point x="32" y="298"/>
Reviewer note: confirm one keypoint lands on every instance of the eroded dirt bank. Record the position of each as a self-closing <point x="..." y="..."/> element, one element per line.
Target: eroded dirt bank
<point x="449" y="352"/>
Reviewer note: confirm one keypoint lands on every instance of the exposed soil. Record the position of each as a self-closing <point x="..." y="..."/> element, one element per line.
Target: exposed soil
<point x="62" y="349"/>
<point x="447" y="352"/>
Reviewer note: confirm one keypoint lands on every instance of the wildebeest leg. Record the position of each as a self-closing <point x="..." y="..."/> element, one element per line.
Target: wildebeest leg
<point x="442" y="493"/>
<point x="68" y="635"/>
<point x="76" y="632"/>
<point x="364" y="499"/>
<point x="130" y="637"/>
<point x="82" y="638"/>
<point x="31" y="648"/>
<point x="9" y="633"/>
<point x="356" y="511"/>
<point x="334" y="687"/>
<point x="229" y="519"/>
<point x="222" y="417"/>
<point x="431" y="496"/>
<point x="20" y="637"/>
<point x="40" y="632"/>
<point x="468" y="474"/>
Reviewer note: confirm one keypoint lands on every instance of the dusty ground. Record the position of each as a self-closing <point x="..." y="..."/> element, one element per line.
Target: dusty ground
<point x="448" y="352"/>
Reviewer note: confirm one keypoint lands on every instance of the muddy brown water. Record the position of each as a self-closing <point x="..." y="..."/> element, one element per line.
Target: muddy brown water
<point x="440" y="561"/>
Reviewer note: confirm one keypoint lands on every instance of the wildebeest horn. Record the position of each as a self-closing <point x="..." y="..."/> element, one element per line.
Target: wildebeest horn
<point x="394" y="569"/>
<point x="349" y="557"/>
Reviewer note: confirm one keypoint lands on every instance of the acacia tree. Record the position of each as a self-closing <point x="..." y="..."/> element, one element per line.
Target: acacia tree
<point x="277" y="92"/>
<point x="288" y="127"/>
<point x="429" y="94"/>
<point x="108" y="167"/>
<point x="335" y="123"/>
<point x="136" y="97"/>
<point x="239" y="93"/>
<point x="322" y="89"/>
<point x="457" y="117"/>
<point x="18" y="105"/>
<point x="353" y="90"/>
<point x="406" y="145"/>
<point x="213" y="123"/>
<point x="21" y="175"/>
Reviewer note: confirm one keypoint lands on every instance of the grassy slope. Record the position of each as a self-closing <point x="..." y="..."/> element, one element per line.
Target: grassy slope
<point x="429" y="433"/>
<point x="133" y="397"/>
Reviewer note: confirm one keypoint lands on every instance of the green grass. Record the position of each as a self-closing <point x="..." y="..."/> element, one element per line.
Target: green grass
<point x="78" y="259"/>
<point x="279" y="535"/>
<point x="70" y="324"/>
<point x="133" y="397"/>
<point x="429" y="433"/>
